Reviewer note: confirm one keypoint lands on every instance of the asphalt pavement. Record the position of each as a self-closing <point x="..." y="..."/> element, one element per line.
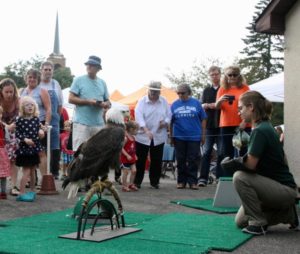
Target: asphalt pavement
<point x="278" y="240"/>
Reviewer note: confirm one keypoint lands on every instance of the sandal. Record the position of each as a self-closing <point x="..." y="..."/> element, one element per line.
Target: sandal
<point x="125" y="189"/>
<point x="14" y="191"/>
<point x="180" y="186"/>
<point x="133" y="187"/>
<point x="194" y="187"/>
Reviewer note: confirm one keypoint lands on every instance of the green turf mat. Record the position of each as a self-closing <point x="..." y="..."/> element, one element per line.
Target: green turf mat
<point x="166" y="234"/>
<point x="205" y="204"/>
<point x="225" y="178"/>
<point x="213" y="231"/>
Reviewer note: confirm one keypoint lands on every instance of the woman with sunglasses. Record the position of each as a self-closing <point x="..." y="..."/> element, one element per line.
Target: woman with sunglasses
<point x="233" y="85"/>
<point x="188" y="127"/>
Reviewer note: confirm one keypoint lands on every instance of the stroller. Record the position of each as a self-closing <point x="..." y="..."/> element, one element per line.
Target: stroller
<point x="168" y="161"/>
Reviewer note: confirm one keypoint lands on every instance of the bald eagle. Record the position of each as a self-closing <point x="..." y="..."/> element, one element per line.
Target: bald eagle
<point x="97" y="155"/>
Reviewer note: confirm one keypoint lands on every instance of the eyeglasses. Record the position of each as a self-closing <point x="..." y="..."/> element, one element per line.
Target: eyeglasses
<point x="233" y="75"/>
<point x="181" y="93"/>
<point x="47" y="69"/>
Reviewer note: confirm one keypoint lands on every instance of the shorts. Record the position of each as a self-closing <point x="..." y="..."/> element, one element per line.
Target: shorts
<point x="82" y="133"/>
<point x="66" y="158"/>
<point x="127" y="165"/>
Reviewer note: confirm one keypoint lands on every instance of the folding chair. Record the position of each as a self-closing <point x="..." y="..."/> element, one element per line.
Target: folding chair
<point x="168" y="161"/>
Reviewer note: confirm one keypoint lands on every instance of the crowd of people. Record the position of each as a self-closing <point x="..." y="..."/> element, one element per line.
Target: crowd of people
<point x="191" y="124"/>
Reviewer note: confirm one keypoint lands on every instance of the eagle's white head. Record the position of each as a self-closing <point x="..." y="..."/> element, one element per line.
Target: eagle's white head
<point x="114" y="116"/>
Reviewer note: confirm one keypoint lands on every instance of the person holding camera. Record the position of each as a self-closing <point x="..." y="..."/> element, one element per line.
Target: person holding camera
<point x="233" y="85"/>
<point x="90" y="96"/>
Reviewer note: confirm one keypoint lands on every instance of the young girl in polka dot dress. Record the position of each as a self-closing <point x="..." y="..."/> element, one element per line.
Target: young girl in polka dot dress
<point x="29" y="133"/>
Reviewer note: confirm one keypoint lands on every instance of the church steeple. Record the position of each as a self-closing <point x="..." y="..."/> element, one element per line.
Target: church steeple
<point x="56" y="38"/>
<point x="56" y="57"/>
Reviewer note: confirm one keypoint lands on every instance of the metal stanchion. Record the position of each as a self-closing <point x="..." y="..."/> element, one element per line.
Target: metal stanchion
<point x="48" y="184"/>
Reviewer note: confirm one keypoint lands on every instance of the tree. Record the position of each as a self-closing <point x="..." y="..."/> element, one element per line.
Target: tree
<point x="197" y="77"/>
<point x="263" y="56"/>
<point x="63" y="76"/>
<point x="17" y="71"/>
<point x="263" y="53"/>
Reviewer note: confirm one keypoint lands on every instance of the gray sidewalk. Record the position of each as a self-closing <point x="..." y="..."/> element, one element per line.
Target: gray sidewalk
<point x="278" y="240"/>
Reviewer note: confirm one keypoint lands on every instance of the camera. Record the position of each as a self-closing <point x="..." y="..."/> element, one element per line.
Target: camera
<point x="230" y="99"/>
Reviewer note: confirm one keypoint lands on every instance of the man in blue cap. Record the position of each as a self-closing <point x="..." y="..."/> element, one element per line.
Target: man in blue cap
<point x="90" y="96"/>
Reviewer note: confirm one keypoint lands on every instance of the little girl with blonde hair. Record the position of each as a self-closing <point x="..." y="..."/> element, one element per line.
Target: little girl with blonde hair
<point x="29" y="132"/>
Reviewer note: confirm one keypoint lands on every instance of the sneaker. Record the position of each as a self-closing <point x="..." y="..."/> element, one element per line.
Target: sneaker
<point x="14" y="191"/>
<point x="31" y="194"/>
<point x="155" y="186"/>
<point x="25" y="197"/>
<point x="202" y="184"/>
<point x="63" y="177"/>
<point x="132" y="187"/>
<point x="255" y="230"/>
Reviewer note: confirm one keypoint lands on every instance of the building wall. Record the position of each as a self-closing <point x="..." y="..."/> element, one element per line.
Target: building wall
<point x="292" y="90"/>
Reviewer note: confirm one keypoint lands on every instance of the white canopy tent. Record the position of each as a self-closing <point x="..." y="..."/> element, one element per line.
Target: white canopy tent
<point x="70" y="107"/>
<point x="272" y="88"/>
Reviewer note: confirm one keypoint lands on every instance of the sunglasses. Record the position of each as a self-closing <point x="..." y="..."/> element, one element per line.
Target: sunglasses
<point x="181" y="93"/>
<point x="233" y="75"/>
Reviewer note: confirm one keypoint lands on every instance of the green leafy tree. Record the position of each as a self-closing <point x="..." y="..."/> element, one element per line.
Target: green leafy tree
<point x="277" y="115"/>
<point x="197" y="77"/>
<point x="262" y="57"/>
<point x="17" y="71"/>
<point x="263" y="53"/>
<point x="63" y="76"/>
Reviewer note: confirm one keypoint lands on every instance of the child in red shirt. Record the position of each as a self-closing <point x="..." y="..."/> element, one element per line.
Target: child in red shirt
<point x="128" y="157"/>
